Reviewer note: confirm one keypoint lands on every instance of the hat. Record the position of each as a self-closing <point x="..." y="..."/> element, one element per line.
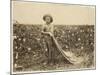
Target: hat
<point x="47" y="15"/>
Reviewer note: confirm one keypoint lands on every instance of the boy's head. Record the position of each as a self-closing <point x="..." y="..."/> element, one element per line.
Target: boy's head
<point x="48" y="18"/>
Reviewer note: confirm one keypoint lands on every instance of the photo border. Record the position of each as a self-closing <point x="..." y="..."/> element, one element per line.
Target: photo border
<point x="35" y="72"/>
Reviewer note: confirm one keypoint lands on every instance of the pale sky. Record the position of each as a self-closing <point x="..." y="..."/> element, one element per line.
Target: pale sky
<point x="32" y="13"/>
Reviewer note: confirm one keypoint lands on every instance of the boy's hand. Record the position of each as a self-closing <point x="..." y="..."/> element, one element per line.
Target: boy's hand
<point x="47" y="33"/>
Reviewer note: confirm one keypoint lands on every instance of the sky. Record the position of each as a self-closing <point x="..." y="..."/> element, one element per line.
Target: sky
<point x="66" y="14"/>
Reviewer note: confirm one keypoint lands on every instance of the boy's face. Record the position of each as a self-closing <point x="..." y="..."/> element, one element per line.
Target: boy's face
<point x="48" y="20"/>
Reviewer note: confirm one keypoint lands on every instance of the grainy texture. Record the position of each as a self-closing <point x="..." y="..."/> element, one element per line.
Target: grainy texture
<point x="29" y="52"/>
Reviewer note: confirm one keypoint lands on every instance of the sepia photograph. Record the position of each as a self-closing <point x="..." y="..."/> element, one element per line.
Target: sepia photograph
<point x="52" y="37"/>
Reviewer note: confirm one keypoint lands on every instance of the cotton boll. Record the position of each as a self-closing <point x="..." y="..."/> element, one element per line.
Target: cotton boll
<point x="29" y="49"/>
<point x="24" y="39"/>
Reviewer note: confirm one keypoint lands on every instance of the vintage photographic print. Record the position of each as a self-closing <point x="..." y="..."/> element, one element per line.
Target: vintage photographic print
<point x="49" y="37"/>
